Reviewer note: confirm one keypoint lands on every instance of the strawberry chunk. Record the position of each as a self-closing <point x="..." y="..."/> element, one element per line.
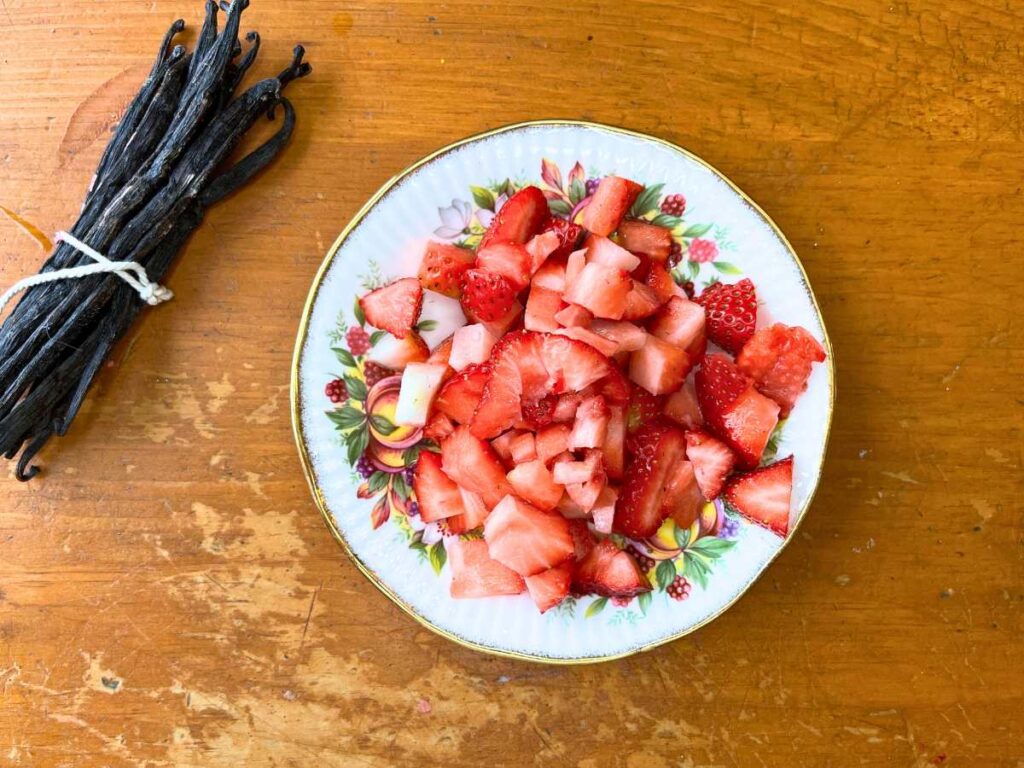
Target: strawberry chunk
<point x="549" y="588"/>
<point x="659" y="279"/>
<point x="460" y="395"/>
<point x="568" y="471"/>
<point x="608" y="571"/>
<point x="476" y="513"/>
<point x="541" y="247"/>
<point x="443" y="267"/>
<point x="568" y="236"/>
<point x="643" y="408"/>
<point x="586" y="494"/>
<point x="764" y="496"/>
<point x="572" y="511"/>
<point x="506" y="322"/>
<point x="486" y="296"/>
<point x="573" y="316"/>
<point x="502" y="445"/>
<point x="731" y="312"/>
<point x="551" y="276"/>
<point x="534" y="482"/>
<point x="591" y="425"/>
<point x="542" y="308"/>
<point x="601" y="289"/>
<point x="613" y="198"/>
<point x="438" y="427"/>
<point x="600" y="343"/>
<point x="526" y="539"/>
<point x="682" y="407"/>
<point x="659" y="366"/>
<point x="779" y="360"/>
<point x="656" y="449"/>
<point x="681" y="322"/>
<point x="523" y="448"/>
<point x="471" y="345"/>
<point x="473" y="465"/>
<point x="437" y="495"/>
<point x="614" y="447"/>
<point x="519" y="219"/>
<point x="641" y="302"/>
<point x="574" y="265"/>
<point x="601" y="250"/>
<point x="395" y="354"/>
<point x="682" y="496"/>
<point x="582" y="538"/>
<point x="712" y="461"/>
<point x="476" y="574"/>
<point x="733" y="410"/>
<point x="603" y="512"/>
<point x="551" y="441"/>
<point x="628" y="337"/>
<point x="395" y="307"/>
<point x="441" y="354"/>
<point x="646" y="238"/>
<point x="510" y="260"/>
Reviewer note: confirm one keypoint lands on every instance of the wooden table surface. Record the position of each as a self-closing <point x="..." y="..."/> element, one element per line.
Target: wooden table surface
<point x="170" y="596"/>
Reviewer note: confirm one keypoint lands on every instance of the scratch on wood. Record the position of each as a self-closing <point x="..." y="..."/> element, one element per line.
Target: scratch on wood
<point x="309" y="614"/>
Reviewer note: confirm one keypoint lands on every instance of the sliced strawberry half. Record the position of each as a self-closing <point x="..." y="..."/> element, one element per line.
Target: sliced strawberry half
<point x="474" y="466"/>
<point x="731" y="312"/>
<point x="608" y="571"/>
<point x="614" y="447"/>
<point x="550" y="587"/>
<point x="519" y="219"/>
<point x="526" y="539"/>
<point x="733" y="410"/>
<point x="437" y="495"/>
<point x="646" y="238"/>
<point x="656" y="449"/>
<point x="779" y="360"/>
<point x="712" y="461"/>
<point x="394" y="308"/>
<point x="568" y="236"/>
<point x="643" y="408"/>
<point x="486" y="296"/>
<point x="613" y="198"/>
<point x="460" y="395"/>
<point x="682" y="496"/>
<point x="443" y="268"/>
<point x="476" y="574"/>
<point x="764" y="495"/>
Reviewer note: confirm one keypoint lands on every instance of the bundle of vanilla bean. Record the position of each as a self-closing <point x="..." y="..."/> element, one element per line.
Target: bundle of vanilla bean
<point x="163" y="168"/>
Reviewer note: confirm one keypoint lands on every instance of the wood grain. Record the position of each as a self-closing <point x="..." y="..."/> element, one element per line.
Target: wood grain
<point x="170" y="596"/>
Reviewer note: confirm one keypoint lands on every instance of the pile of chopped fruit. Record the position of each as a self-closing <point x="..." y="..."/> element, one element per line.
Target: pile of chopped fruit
<point x="564" y="407"/>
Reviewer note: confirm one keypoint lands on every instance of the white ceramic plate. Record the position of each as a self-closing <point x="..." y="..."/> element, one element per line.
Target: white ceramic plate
<point x="450" y="196"/>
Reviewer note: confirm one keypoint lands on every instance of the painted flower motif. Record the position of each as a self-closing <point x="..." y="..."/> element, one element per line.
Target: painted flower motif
<point x="485" y="217"/>
<point x="730" y="528"/>
<point x="702" y="251"/>
<point x="454" y="219"/>
<point x="431" y="534"/>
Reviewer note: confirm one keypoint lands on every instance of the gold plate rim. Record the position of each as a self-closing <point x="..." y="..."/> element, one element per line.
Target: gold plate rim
<point x="302" y="337"/>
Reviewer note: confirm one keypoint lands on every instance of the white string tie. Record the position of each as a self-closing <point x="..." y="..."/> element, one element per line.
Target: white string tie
<point x="131" y="272"/>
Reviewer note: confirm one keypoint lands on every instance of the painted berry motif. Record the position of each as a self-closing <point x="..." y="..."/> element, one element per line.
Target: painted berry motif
<point x="646" y="563"/>
<point x="702" y="251"/>
<point x="675" y="254"/>
<point x="336" y="391"/>
<point x="373" y="373"/>
<point x="679" y="589"/>
<point x="358" y="340"/>
<point x="364" y="467"/>
<point x="592" y="185"/>
<point x="674" y="205"/>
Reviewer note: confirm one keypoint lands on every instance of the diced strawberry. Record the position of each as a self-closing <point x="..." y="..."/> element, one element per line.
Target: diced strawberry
<point x="568" y="472"/>
<point x="526" y="539"/>
<point x="591" y="426"/>
<point x="641" y="302"/>
<point x="506" y="322"/>
<point x="486" y="296"/>
<point x="731" y="312"/>
<point x="538" y="414"/>
<point x="550" y="587"/>
<point x="600" y="343"/>
<point x="566" y="406"/>
<point x="574" y="265"/>
<point x="395" y="354"/>
<point x="476" y="513"/>
<point x="779" y="360"/>
<point x="568" y="236"/>
<point x="611" y="201"/>
<point x="502" y="446"/>
<point x="541" y="247"/>
<point x="659" y="367"/>
<point x="471" y="345"/>
<point x="601" y="289"/>
<point x="552" y="441"/>
<point x="614" y="447"/>
<point x="582" y="538"/>
<point x="681" y="495"/>
<point x="585" y="495"/>
<point x="510" y="260"/>
<point x="601" y="250"/>
<point x="443" y="267"/>
<point x="644" y="237"/>
<point x="534" y="482"/>
<point x="712" y="461"/>
<point x="523" y="448"/>
<point x="542" y="306"/>
<point x="395" y="308"/>
<point x="608" y="571"/>
<point x="615" y="387"/>
<point x="627" y="336"/>
<point x="441" y="354"/>
<point x="603" y="512"/>
<point x="438" y="427"/>
<point x="436" y="494"/>
<point x="473" y="464"/>
<point x="475" y="574"/>
<point x="420" y="385"/>
<point x="551" y="276"/>
<point x="682" y="407"/>
<point x="656" y="448"/>
<point x="570" y="510"/>
<point x="519" y="219"/>
<point x="659" y="280"/>
<point x="733" y="410"/>
<point x="460" y="395"/>
<point x="643" y="408"/>
<point x="764" y="495"/>
<point x="681" y="322"/>
<point x="573" y="316"/>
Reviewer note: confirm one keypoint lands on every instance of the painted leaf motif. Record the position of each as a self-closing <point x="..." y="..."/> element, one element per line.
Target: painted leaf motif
<point x="552" y="195"/>
<point x="344" y="357"/>
<point x="665" y="574"/>
<point x="697" y="230"/>
<point x="364" y="491"/>
<point x="437" y="556"/>
<point x="381" y="513"/>
<point x="559" y="207"/>
<point x="577" y="174"/>
<point x="484" y="198"/>
<point x="596" y="607"/>
<point x="551" y="174"/>
<point x="397" y="502"/>
<point x="645" y="601"/>
<point x="726" y="268"/>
